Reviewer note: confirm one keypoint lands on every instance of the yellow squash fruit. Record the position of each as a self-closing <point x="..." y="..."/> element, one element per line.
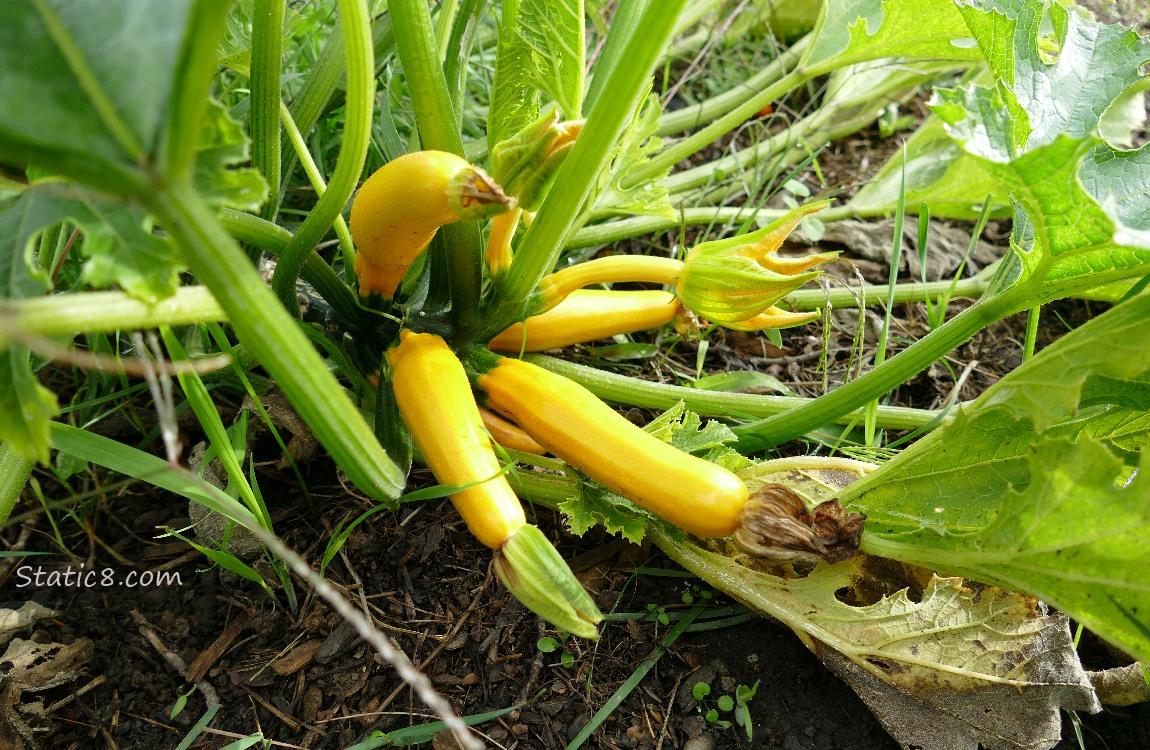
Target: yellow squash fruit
<point x="400" y="207"/>
<point x="436" y="403"/>
<point x="586" y="315"/>
<point x="575" y="425"/>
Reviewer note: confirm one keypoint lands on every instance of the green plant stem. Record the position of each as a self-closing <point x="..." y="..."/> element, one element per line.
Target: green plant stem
<point x="14" y="472"/>
<point x="322" y="79"/>
<point x="273" y="337"/>
<point x="772" y="431"/>
<point x="317" y="182"/>
<point x="438" y="129"/>
<point x="266" y="64"/>
<point x="353" y="150"/>
<point x="274" y="239"/>
<point x="717" y="106"/>
<point x="105" y="312"/>
<point x="614" y="231"/>
<point x="200" y="400"/>
<point x="684" y="148"/>
<point x="189" y="102"/>
<point x="419" y="54"/>
<point x="868" y="294"/>
<point x="622" y="26"/>
<point x="635" y="392"/>
<point x="831" y="122"/>
<point x="780" y="143"/>
<point x="579" y="174"/>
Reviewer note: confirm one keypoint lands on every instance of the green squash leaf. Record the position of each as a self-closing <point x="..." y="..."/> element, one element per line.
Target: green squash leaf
<point x="26" y="407"/>
<point x="552" y="32"/>
<point x="938" y="172"/>
<point x="236" y="47"/>
<point x="541" y="51"/>
<point x="73" y="106"/>
<point x="595" y="505"/>
<point x="1023" y="491"/>
<point x="118" y="244"/>
<point x="514" y="103"/>
<point x="1058" y="82"/>
<point x="224" y="144"/>
<point x="1072" y="195"/>
<point x="624" y="195"/>
<point x="851" y="31"/>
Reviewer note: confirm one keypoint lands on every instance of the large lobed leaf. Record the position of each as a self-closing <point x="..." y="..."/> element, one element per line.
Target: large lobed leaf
<point x="956" y="667"/>
<point x="1093" y="64"/>
<point x="1080" y="204"/>
<point x="851" y="31"/>
<point x="1023" y="490"/>
<point x="69" y="103"/>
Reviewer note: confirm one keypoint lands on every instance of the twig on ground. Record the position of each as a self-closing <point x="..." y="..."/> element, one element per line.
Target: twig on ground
<point x="172" y="658"/>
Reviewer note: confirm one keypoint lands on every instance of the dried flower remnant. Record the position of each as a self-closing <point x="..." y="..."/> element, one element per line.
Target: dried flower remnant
<point x="775" y="525"/>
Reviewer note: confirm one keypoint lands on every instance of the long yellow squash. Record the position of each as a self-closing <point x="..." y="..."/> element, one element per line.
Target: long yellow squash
<point x="587" y="315"/>
<point x="436" y="403"/>
<point x="574" y="424"/>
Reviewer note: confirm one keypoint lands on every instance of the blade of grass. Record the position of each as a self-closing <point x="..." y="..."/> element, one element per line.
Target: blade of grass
<point x="1032" y="317"/>
<point x="199" y="727"/>
<point x="209" y="418"/>
<point x="633" y="681"/>
<point x="422" y="733"/>
<point x="133" y="462"/>
<point x="895" y="259"/>
<point x="221" y="339"/>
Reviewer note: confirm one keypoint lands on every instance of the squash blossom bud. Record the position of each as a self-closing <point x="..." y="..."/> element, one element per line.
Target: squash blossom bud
<point x="736" y="282"/>
<point x="525" y="164"/>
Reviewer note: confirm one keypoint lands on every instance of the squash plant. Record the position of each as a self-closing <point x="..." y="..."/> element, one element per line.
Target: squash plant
<point x="454" y="249"/>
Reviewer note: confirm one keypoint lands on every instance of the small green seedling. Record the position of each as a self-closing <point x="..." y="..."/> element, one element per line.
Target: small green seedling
<point x="743" y="695"/>
<point x="658" y="613"/>
<point x="181" y="701"/>
<point x="726" y="704"/>
<point x="549" y="645"/>
<point x="695" y="593"/>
